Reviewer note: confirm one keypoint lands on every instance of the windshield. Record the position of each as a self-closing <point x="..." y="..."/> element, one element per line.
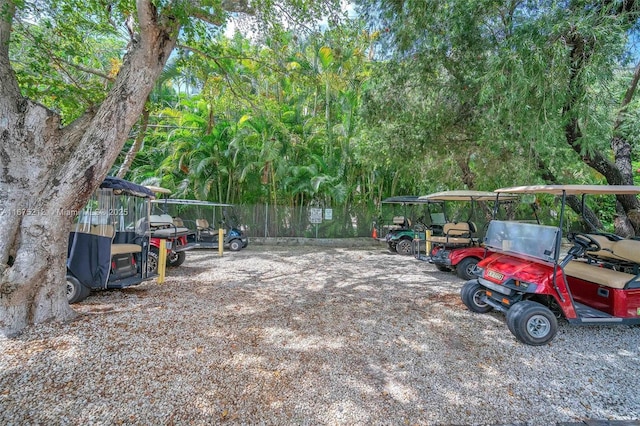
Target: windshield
<point x="106" y="213"/>
<point x="529" y="239"/>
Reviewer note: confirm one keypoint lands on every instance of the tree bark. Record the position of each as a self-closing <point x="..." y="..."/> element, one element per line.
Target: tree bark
<point x="468" y="177"/>
<point x="48" y="172"/>
<point x="137" y="144"/>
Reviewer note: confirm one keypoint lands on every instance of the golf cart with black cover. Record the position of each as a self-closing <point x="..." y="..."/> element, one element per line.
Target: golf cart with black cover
<point x="459" y="248"/>
<point x="403" y="230"/>
<point x="109" y="247"/>
<point x="533" y="281"/>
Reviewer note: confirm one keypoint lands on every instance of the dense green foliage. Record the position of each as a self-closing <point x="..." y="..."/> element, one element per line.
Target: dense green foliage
<point x="411" y="97"/>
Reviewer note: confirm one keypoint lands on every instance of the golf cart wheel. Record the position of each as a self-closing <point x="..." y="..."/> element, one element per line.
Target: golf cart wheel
<point x="513" y="313"/>
<point x="443" y="268"/>
<point x="235" y="245"/>
<point x="152" y="260"/>
<point x="175" y="259"/>
<point x="76" y="291"/>
<point x="465" y="267"/>
<point x="533" y="324"/>
<point x="472" y="294"/>
<point x="404" y="247"/>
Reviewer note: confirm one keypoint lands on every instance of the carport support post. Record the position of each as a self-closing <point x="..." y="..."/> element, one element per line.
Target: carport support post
<point x="220" y="241"/>
<point x="162" y="261"/>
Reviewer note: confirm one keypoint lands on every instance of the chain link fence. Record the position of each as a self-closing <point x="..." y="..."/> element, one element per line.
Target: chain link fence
<point x="279" y="221"/>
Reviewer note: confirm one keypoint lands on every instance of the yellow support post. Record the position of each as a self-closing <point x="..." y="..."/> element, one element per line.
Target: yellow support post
<point x="427" y="236"/>
<point x="220" y="241"/>
<point x="162" y="261"/>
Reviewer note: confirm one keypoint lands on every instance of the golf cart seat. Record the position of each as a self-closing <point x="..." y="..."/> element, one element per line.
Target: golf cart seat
<point x="456" y="233"/>
<point x="399" y="222"/>
<point x="593" y="273"/>
<point x="116" y="248"/>
<point x="162" y="226"/>
<point x="621" y="250"/>
<point x="160" y="220"/>
<point x="125" y="248"/>
<point x="204" y="229"/>
<point x="627" y="251"/>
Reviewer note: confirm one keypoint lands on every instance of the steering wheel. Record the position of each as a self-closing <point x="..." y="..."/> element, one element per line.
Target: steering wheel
<point x="609" y="236"/>
<point x="585" y="241"/>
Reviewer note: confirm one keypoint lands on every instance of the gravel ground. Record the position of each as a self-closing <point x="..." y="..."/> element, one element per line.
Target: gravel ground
<point x="309" y="335"/>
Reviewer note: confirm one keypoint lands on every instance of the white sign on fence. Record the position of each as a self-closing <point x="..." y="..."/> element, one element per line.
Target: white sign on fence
<point x="315" y="215"/>
<point x="328" y="214"/>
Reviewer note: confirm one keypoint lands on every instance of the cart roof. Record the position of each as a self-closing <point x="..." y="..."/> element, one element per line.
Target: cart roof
<point x="408" y="199"/>
<point x="121" y="186"/>
<point x="465" y="195"/>
<point x="191" y="202"/>
<point x="158" y="189"/>
<point x="572" y="189"/>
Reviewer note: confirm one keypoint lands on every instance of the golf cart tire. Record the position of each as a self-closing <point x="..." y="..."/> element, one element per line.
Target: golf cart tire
<point x="153" y="259"/>
<point x="235" y="245"/>
<point x="471" y="293"/>
<point x="443" y="268"/>
<point x="533" y="324"/>
<point x="176" y="259"/>
<point x="404" y="247"/>
<point x="76" y="291"/>
<point x="512" y="313"/>
<point x="465" y="266"/>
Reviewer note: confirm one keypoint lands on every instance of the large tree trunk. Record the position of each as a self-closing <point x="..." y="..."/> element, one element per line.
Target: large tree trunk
<point x="48" y="172"/>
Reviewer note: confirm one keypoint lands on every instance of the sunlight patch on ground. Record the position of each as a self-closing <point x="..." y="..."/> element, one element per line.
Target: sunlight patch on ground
<point x="290" y="340"/>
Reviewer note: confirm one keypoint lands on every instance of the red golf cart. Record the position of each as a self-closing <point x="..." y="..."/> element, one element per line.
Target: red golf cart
<point x="164" y="227"/>
<point x="533" y="281"/>
<point x="459" y="247"/>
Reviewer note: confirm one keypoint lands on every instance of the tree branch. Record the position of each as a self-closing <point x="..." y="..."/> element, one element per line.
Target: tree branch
<point x="88" y="70"/>
<point x="9" y="88"/>
<point x="137" y="143"/>
<point x="227" y="79"/>
<point x="588" y="217"/>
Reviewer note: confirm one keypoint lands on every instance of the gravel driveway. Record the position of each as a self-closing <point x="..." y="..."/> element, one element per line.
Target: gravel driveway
<point x="309" y="335"/>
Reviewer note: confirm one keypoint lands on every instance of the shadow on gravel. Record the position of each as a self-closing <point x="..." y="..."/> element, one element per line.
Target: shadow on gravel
<point x="276" y="335"/>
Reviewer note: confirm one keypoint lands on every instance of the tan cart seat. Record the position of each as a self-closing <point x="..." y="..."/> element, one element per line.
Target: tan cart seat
<point x="455" y="233"/>
<point x="623" y="250"/>
<point x="125" y="248"/>
<point x="595" y="274"/>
